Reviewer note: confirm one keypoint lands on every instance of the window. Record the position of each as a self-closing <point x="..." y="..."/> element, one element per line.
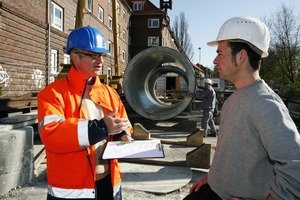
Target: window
<point x="90" y="5"/>
<point x="153" y="41"/>
<point x="110" y="2"/>
<point x="124" y="35"/>
<point x="153" y="23"/>
<point x="118" y="30"/>
<point x="123" y="55"/>
<point x="56" y="16"/>
<point x="137" y="6"/>
<point x="100" y="13"/>
<point x="66" y="59"/>
<point x="109" y="74"/>
<point x="110" y="47"/>
<point x="118" y="8"/>
<point x="124" y="15"/>
<point x="54" y="59"/>
<point x="109" y="22"/>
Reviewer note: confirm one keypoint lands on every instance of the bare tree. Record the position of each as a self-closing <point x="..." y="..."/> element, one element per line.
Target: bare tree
<point x="282" y="65"/>
<point x="180" y="30"/>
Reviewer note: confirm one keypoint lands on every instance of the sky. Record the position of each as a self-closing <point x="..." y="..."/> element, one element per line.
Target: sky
<point x="205" y="18"/>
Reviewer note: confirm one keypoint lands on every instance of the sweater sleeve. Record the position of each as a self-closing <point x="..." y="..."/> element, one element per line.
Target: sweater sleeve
<point x="281" y="140"/>
<point x="97" y="131"/>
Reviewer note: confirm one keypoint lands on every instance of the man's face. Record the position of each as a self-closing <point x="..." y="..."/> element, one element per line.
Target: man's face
<point x="89" y="64"/>
<point x="224" y="62"/>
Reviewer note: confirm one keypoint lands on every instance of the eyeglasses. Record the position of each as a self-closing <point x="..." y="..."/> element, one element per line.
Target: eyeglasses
<point x="92" y="55"/>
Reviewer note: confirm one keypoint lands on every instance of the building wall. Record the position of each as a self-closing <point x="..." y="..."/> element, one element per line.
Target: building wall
<point x="58" y="38"/>
<point x="28" y="39"/>
<point x="22" y="49"/>
<point x="139" y="30"/>
<point x="91" y="18"/>
<point x="25" y="53"/>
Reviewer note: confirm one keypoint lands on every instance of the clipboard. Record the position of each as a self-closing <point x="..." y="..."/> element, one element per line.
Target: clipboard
<point x="134" y="149"/>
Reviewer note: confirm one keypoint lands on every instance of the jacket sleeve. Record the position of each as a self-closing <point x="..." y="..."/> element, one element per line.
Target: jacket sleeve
<point x="202" y="94"/>
<point x="61" y="131"/>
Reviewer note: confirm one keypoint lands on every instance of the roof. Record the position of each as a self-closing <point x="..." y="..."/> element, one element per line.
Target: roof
<point x="149" y="7"/>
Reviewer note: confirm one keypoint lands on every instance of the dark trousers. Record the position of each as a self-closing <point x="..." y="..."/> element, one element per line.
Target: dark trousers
<point x="104" y="189"/>
<point x="204" y="193"/>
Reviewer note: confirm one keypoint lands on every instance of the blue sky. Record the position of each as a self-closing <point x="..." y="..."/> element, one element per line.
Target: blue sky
<point x="206" y="17"/>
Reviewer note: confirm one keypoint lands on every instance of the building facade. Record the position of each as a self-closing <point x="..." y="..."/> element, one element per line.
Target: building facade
<point x="149" y="26"/>
<point x="33" y="36"/>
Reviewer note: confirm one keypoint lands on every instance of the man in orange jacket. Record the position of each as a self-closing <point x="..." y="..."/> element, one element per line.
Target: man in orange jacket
<point x="77" y="115"/>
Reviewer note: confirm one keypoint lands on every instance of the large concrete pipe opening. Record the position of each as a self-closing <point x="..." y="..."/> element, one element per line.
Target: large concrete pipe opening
<point x="143" y="78"/>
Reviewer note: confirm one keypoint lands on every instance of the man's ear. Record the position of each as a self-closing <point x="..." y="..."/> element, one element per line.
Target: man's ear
<point x="241" y="56"/>
<point x="74" y="57"/>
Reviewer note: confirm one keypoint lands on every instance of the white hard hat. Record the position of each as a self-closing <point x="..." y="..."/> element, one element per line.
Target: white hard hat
<point x="249" y="29"/>
<point x="207" y="80"/>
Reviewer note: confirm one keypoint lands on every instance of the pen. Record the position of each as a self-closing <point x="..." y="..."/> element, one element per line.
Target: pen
<point x="124" y="142"/>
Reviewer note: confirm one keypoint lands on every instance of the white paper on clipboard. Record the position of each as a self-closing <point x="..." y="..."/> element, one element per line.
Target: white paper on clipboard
<point x="134" y="149"/>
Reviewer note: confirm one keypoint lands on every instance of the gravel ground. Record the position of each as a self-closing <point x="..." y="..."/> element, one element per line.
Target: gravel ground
<point x="37" y="189"/>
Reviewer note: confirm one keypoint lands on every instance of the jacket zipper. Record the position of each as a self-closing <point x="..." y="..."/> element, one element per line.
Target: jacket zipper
<point x="87" y="152"/>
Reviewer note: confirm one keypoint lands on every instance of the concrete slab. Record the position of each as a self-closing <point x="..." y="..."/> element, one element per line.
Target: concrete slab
<point x="6" y="127"/>
<point x="18" y="121"/>
<point x="154" y="178"/>
<point x="16" y="158"/>
<point x="175" y="155"/>
<point x="19" y="118"/>
<point x="179" y="136"/>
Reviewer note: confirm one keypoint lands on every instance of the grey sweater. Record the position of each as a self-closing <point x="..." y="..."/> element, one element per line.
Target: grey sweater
<point x="258" y="148"/>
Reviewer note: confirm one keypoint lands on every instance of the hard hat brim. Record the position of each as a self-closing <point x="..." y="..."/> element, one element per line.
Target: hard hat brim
<point x="213" y="43"/>
<point x="100" y="50"/>
<point x="263" y="54"/>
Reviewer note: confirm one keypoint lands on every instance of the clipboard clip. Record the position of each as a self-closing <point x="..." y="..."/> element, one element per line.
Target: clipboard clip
<point x="159" y="147"/>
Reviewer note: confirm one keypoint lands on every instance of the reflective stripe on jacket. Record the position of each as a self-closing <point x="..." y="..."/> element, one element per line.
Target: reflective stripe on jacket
<point x="63" y="126"/>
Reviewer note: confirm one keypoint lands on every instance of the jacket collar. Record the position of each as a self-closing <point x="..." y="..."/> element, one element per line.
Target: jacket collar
<point x="77" y="81"/>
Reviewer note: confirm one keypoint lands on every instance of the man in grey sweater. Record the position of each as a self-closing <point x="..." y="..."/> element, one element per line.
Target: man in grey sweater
<point x="258" y="148"/>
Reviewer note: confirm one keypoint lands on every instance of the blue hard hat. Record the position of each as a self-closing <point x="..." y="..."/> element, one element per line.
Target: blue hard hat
<point x="87" y="38"/>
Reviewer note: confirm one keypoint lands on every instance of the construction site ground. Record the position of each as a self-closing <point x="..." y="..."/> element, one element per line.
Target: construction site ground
<point x="165" y="178"/>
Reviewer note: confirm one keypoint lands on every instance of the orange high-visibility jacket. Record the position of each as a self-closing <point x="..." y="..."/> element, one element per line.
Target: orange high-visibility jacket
<point x="64" y="129"/>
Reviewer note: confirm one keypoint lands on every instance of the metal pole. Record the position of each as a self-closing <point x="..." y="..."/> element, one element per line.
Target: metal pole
<point x="79" y="13"/>
<point x="115" y="35"/>
<point x="199" y="48"/>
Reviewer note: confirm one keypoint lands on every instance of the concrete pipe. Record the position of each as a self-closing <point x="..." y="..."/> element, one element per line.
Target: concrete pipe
<point x="141" y="82"/>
